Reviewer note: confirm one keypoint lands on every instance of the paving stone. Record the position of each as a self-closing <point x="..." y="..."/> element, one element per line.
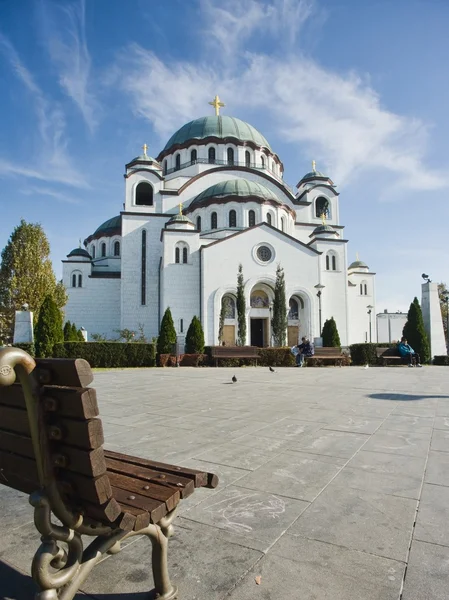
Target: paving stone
<point x="231" y="454"/>
<point x="398" y="442"/>
<point x="437" y="470"/>
<point x="361" y="520"/>
<point x="254" y="515"/>
<point x="205" y="571"/>
<point x="292" y="475"/>
<point x="331" y="443"/>
<point x="355" y="424"/>
<point x="310" y="570"/>
<point x="397" y="484"/>
<point x="427" y="574"/>
<point x="394" y="464"/>
<point x="408" y="424"/>
<point x="440" y="441"/>
<point x="258" y="442"/>
<point x="432" y="523"/>
<point x="290" y="430"/>
<point x="15" y="510"/>
<point x="442" y="423"/>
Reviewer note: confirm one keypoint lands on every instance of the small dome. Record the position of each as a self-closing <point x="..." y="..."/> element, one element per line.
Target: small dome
<point x="358" y="264"/>
<point x="79" y="252"/>
<point x="221" y="127"/>
<point x="110" y="227"/>
<point x="243" y="188"/>
<point x="178" y="218"/>
<point x="323" y="229"/>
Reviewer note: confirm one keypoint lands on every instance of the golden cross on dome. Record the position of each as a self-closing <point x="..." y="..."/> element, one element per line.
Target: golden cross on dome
<point x="144" y="148"/>
<point x="180" y="208"/>
<point x="217" y="104"/>
<point x="313" y="166"/>
<point x="80" y="242"/>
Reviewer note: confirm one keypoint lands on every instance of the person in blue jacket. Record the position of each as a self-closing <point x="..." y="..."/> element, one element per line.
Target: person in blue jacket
<point x="406" y="351"/>
<point x="304" y="349"/>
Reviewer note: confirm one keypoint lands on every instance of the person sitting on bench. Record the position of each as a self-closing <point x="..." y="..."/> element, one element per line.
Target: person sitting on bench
<point x="305" y="349"/>
<point x="406" y="351"/>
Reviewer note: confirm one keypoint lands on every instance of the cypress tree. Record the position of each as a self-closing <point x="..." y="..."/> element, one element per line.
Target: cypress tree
<point x="48" y="330"/>
<point x="80" y="336"/>
<point x="222" y="320"/>
<point x="167" y="334"/>
<point x="415" y="333"/>
<point x="279" y="320"/>
<point x="74" y="333"/>
<point x="67" y="331"/>
<point x="330" y="336"/>
<point x="241" y="309"/>
<point x="195" y="337"/>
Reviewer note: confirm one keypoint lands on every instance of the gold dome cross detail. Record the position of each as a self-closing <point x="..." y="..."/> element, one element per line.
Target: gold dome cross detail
<point x="217" y="104"/>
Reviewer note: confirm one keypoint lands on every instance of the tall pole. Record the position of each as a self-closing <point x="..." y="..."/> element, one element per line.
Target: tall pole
<point x="319" y="308"/>
<point x="370" y="309"/>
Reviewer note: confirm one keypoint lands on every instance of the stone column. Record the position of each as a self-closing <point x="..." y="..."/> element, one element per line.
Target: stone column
<point x="433" y="322"/>
<point x="23" y="327"/>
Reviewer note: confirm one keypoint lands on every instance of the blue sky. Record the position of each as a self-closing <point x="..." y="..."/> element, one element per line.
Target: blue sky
<point x="361" y="87"/>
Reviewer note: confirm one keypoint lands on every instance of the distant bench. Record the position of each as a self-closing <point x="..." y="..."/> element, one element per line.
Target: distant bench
<point x="218" y="352"/>
<point x="390" y="356"/>
<point x="328" y="356"/>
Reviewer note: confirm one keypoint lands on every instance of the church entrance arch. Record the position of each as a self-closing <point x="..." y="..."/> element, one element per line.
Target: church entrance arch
<point x="261" y="300"/>
<point x="228" y="319"/>
<point x="298" y="323"/>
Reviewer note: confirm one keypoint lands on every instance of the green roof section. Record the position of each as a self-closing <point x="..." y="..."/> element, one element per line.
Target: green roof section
<point x="180" y="219"/>
<point x="324" y="229"/>
<point x="243" y="188"/>
<point x="221" y="126"/>
<point x="79" y="252"/>
<point x="358" y="264"/>
<point x="109" y="227"/>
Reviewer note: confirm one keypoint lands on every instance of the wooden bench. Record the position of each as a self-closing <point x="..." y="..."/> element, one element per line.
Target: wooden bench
<point x="218" y="352"/>
<point x="51" y="447"/>
<point x="325" y="356"/>
<point x="390" y="356"/>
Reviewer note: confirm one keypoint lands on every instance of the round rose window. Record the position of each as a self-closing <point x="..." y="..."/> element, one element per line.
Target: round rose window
<point x="264" y="253"/>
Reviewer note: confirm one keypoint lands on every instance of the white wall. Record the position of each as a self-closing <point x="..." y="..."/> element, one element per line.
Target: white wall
<point x="358" y="318"/>
<point x="390" y="326"/>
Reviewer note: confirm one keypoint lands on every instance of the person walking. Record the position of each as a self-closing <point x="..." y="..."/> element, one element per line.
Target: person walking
<point x="406" y="351"/>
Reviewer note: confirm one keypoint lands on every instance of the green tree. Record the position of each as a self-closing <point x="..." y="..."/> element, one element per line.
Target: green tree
<point x="26" y="274"/>
<point x="330" y="336"/>
<point x="167" y="334"/>
<point x="443" y="293"/>
<point x="48" y="330"/>
<point x="222" y="320"/>
<point x="126" y="335"/>
<point x="279" y="320"/>
<point x="67" y="332"/>
<point x="415" y="333"/>
<point x="241" y="309"/>
<point x="73" y="333"/>
<point x="79" y="336"/>
<point x="195" y="337"/>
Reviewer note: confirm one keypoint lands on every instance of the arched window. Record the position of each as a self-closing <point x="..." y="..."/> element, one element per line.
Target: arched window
<point x="247" y="159"/>
<point x="321" y="206"/>
<point x="198" y="223"/>
<point x="117" y="248"/>
<point x="327" y="262"/>
<point x="213" y="221"/>
<point x="80" y="280"/>
<point x="144" y="194"/>
<point x="232" y="218"/>
<point x="143" y="269"/>
<point x="269" y="218"/>
<point x="193" y="157"/>
<point x="74" y="280"/>
<point x="263" y="162"/>
<point x="165" y="167"/>
<point x="177" y="259"/>
<point x="282" y="224"/>
<point x="334" y="263"/>
<point x="228" y="305"/>
<point x="103" y="249"/>
<point x="184" y="255"/>
<point x="211" y="155"/>
<point x="365" y="289"/>
<point x="177" y="162"/>
<point x="92" y="251"/>
<point x="230" y="152"/>
<point x="361" y="289"/>
<point x="251" y="218"/>
<point x="293" y="313"/>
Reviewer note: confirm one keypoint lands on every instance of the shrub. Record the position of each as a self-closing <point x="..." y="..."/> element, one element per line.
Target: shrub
<point x="28" y="347"/>
<point x="167" y="334"/>
<point x="441" y="360"/>
<point x="276" y="357"/>
<point x="363" y="354"/>
<point x="241" y="309"/>
<point x="108" y="354"/>
<point x="192" y="360"/>
<point x="195" y="337"/>
<point x="330" y="336"/>
<point x="48" y="331"/>
<point x="415" y="333"/>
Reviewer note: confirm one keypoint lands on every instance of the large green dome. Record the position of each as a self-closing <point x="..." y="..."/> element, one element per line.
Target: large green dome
<point x="110" y="226"/>
<point x="217" y="126"/>
<point x="236" y="187"/>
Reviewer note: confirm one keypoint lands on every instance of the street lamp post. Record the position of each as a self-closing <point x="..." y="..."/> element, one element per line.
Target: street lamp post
<point x="370" y="308"/>
<point x="319" y="287"/>
<point x="446" y="299"/>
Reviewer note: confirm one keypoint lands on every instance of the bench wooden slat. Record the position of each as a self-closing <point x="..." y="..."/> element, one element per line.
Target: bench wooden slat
<point x="77" y="403"/>
<point x="18" y="482"/>
<point x="200" y="478"/>
<point x="26" y="468"/>
<point x="143" y="474"/>
<point x="156" y="509"/>
<point x="142" y="516"/>
<point x="18" y="444"/>
<point x="170" y="496"/>
<point x="96" y="490"/>
<point x="106" y="513"/>
<point x="63" y="371"/>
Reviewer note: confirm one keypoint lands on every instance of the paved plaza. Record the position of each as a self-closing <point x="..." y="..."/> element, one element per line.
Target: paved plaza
<point x="334" y="484"/>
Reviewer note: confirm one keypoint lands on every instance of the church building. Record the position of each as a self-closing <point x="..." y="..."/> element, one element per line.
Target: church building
<point x="215" y="198"/>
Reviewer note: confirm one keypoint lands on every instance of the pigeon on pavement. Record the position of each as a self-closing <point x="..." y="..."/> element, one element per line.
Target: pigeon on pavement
<point x="272" y="370"/>
<point x="234" y="379"/>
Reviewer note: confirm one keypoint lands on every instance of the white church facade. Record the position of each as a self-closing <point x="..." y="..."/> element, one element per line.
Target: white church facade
<point x="213" y="199"/>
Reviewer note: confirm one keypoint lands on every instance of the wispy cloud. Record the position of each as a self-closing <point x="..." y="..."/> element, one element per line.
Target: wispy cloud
<point x="49" y="193"/>
<point x="53" y="163"/>
<point x="65" y="38"/>
<point x="337" y="118"/>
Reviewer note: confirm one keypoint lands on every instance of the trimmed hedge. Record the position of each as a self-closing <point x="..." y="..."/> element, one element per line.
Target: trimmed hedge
<point x="109" y="354"/>
<point x="363" y="354"/>
<point x="276" y="357"/>
<point x="28" y="347"/>
<point x="441" y="360"/>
